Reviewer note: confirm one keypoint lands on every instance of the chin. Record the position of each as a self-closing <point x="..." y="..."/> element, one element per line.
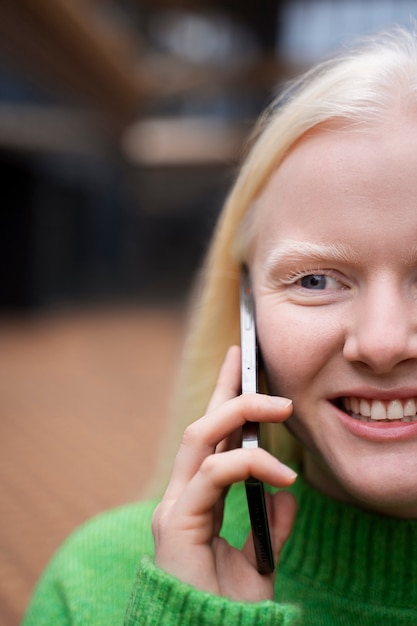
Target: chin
<point x="387" y="485"/>
<point x="385" y="492"/>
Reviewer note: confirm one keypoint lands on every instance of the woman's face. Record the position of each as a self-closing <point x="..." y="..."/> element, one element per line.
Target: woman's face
<point x="334" y="271"/>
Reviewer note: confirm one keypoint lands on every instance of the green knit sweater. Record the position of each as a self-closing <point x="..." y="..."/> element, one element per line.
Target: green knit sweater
<point x="341" y="566"/>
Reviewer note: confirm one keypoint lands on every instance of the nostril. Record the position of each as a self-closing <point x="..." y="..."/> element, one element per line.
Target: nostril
<point x="379" y="341"/>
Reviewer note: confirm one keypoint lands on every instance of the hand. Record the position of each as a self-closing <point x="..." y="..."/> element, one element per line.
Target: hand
<point x="188" y="520"/>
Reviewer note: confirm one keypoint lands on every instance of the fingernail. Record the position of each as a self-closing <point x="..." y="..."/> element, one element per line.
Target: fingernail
<point x="282" y="403"/>
<point x="289" y="473"/>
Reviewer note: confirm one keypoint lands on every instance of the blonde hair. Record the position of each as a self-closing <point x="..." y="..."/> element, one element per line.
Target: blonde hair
<point x="360" y="88"/>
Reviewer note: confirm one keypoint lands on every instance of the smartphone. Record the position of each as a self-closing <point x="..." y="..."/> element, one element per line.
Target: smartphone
<point x="251" y="434"/>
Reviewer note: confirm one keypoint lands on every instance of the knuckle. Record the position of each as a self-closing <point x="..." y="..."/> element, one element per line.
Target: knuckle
<point x="156" y="518"/>
<point x="208" y="466"/>
<point x="155" y="525"/>
<point x="191" y="435"/>
<point x="159" y="520"/>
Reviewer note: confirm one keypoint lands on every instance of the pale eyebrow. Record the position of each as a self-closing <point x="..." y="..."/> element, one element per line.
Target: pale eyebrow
<point x="301" y="252"/>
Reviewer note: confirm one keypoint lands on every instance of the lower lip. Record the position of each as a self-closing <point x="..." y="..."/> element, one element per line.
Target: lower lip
<point x="379" y="431"/>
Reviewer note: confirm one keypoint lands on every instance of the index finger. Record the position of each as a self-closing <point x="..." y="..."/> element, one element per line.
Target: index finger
<point x="228" y="381"/>
<point x="227" y="387"/>
<point x="203" y="436"/>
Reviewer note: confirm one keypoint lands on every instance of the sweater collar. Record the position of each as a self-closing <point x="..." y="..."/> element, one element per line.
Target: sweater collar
<point x="352" y="552"/>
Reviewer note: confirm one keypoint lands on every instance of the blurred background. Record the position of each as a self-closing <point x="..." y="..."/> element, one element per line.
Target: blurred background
<point x="122" y="124"/>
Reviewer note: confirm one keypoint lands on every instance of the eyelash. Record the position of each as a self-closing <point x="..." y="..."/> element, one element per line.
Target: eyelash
<point x="293" y="277"/>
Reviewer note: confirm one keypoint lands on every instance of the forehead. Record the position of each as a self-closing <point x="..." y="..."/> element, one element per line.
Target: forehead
<point x="337" y="184"/>
<point x="343" y="155"/>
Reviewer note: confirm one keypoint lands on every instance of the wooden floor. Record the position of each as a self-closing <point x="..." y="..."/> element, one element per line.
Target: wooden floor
<point x="84" y="400"/>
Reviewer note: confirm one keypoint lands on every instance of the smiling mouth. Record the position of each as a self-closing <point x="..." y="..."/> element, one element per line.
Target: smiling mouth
<point x="364" y="410"/>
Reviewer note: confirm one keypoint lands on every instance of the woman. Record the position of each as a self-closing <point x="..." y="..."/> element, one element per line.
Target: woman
<point x="324" y="216"/>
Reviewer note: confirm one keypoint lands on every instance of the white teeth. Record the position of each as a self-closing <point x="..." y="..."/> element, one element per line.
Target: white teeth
<point x="378" y="410"/>
<point x="395" y="410"/>
<point x="364" y="408"/>
<point x="410" y="408"/>
<point x="354" y="405"/>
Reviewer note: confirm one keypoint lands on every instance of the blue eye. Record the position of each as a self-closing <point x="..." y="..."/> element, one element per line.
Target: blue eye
<point x="314" y="281"/>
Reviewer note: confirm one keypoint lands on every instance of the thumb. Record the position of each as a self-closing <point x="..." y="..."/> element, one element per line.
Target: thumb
<point x="282" y="509"/>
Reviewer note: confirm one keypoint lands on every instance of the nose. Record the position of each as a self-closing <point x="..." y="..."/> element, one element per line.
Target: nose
<point x="382" y="329"/>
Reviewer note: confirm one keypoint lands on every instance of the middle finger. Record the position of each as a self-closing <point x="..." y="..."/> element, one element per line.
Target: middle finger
<point x="201" y="438"/>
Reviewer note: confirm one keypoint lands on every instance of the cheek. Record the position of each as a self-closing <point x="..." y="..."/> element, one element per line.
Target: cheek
<point x="296" y="346"/>
<point x="287" y="364"/>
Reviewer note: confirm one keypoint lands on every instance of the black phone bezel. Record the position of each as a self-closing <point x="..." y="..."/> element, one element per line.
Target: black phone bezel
<point x="255" y="493"/>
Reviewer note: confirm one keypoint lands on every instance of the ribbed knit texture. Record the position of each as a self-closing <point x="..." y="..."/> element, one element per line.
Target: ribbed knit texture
<point x="360" y="565"/>
<point x="341" y="567"/>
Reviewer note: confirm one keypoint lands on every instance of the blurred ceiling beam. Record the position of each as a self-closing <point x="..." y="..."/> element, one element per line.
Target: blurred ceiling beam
<point x="65" y="46"/>
<point x="62" y="44"/>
